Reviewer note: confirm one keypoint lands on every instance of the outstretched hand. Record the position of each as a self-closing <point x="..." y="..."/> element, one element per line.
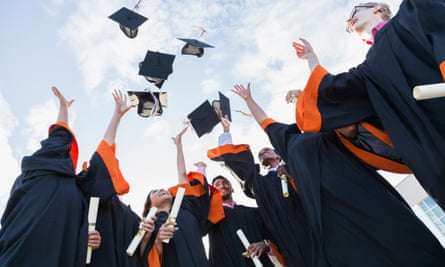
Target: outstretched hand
<point x="292" y="96"/>
<point x="303" y="49"/>
<point x="242" y="91"/>
<point x="120" y="100"/>
<point x="62" y="99"/>
<point x="178" y="139"/>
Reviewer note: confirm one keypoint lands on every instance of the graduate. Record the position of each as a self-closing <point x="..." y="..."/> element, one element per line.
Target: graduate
<point x="284" y="218"/>
<point x="356" y="217"/>
<point x="45" y="223"/>
<point x="116" y="222"/>
<point x="225" y="247"/>
<point x="407" y="51"/>
<point x="199" y="204"/>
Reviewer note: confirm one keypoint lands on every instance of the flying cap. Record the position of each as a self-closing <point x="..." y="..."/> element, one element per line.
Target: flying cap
<point x="193" y="47"/>
<point x="223" y="105"/>
<point x="203" y="118"/>
<point x="128" y="20"/>
<point x="149" y="104"/>
<point x="156" y="67"/>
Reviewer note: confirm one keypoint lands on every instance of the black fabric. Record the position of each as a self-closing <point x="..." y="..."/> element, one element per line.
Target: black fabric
<point x="186" y="247"/>
<point x="44" y="223"/>
<point x="284" y="218"/>
<point x="407" y="52"/>
<point x="225" y="247"/>
<point x="356" y="217"/>
<point x="116" y="222"/>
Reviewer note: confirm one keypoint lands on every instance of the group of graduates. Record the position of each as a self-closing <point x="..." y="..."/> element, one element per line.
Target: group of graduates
<point x="322" y="201"/>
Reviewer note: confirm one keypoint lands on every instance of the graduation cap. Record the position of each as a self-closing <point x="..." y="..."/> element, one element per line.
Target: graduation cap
<point x="203" y="118"/>
<point x="149" y="104"/>
<point x="128" y="20"/>
<point x="156" y="67"/>
<point x="193" y="47"/>
<point x="222" y="105"/>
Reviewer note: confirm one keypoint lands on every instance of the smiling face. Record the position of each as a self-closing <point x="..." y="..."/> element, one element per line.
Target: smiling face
<point x="159" y="197"/>
<point x="224" y="187"/>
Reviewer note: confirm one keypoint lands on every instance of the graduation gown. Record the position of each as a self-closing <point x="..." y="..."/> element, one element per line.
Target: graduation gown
<point x="225" y="247"/>
<point x="186" y="248"/>
<point x="284" y="218"/>
<point x="408" y="51"/>
<point x="44" y="223"/>
<point x="116" y="222"/>
<point x="356" y="217"/>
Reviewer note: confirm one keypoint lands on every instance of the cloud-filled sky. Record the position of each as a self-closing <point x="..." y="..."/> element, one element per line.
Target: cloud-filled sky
<point x="73" y="45"/>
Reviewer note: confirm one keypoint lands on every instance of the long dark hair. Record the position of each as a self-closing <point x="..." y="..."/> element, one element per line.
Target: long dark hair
<point x="147" y="204"/>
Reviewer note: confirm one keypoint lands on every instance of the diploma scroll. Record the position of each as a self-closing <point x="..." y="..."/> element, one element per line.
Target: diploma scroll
<point x="92" y="216"/>
<point x="429" y="91"/>
<point x="284" y="187"/>
<point x="175" y="209"/>
<point x="246" y="244"/>
<point x="140" y="234"/>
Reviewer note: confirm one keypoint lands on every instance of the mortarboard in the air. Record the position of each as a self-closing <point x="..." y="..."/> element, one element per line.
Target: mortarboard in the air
<point x="193" y="47"/>
<point x="203" y="118"/>
<point x="128" y="20"/>
<point x="149" y="104"/>
<point x="223" y="105"/>
<point x="156" y="67"/>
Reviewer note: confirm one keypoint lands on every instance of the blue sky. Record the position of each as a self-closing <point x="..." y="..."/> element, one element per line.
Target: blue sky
<point x="73" y="45"/>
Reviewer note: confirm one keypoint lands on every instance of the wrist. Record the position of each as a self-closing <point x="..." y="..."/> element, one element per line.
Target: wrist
<point x="267" y="245"/>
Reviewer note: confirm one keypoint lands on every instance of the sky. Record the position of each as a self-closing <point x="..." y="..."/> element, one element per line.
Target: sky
<point x="74" y="46"/>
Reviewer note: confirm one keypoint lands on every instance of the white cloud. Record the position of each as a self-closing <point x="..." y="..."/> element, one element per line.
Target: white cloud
<point x="39" y="118"/>
<point x="8" y="122"/>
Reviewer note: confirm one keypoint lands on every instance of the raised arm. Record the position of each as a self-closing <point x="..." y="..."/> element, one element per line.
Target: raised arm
<point x="244" y="92"/>
<point x="63" y="107"/>
<point x="180" y="161"/>
<point x="304" y="50"/>
<point x="121" y="108"/>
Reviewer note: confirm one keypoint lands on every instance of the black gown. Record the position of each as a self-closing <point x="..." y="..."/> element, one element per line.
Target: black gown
<point x="356" y="217"/>
<point x="408" y="51"/>
<point x="225" y="247"/>
<point x="116" y="222"/>
<point x="44" y="223"/>
<point x="284" y="218"/>
<point x="186" y="247"/>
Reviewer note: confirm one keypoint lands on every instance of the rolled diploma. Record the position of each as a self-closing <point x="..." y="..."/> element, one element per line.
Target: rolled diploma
<point x="140" y="234"/>
<point x="92" y="216"/>
<point x="274" y="260"/>
<point x="284" y="187"/>
<point x="429" y="91"/>
<point x="246" y="244"/>
<point x="175" y="209"/>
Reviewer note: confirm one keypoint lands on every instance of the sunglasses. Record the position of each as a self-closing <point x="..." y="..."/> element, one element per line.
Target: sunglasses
<point x="354" y="11"/>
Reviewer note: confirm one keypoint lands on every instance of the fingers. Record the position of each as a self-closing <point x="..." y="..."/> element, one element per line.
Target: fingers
<point x="94" y="239"/>
<point x="167" y="231"/>
<point x="148" y="224"/>
<point x="292" y="96"/>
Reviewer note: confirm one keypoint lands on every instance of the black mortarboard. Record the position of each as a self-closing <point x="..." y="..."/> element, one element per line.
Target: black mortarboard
<point x="223" y="105"/>
<point x="149" y="104"/>
<point x="128" y="20"/>
<point x="203" y="118"/>
<point x="193" y="47"/>
<point x="156" y="67"/>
